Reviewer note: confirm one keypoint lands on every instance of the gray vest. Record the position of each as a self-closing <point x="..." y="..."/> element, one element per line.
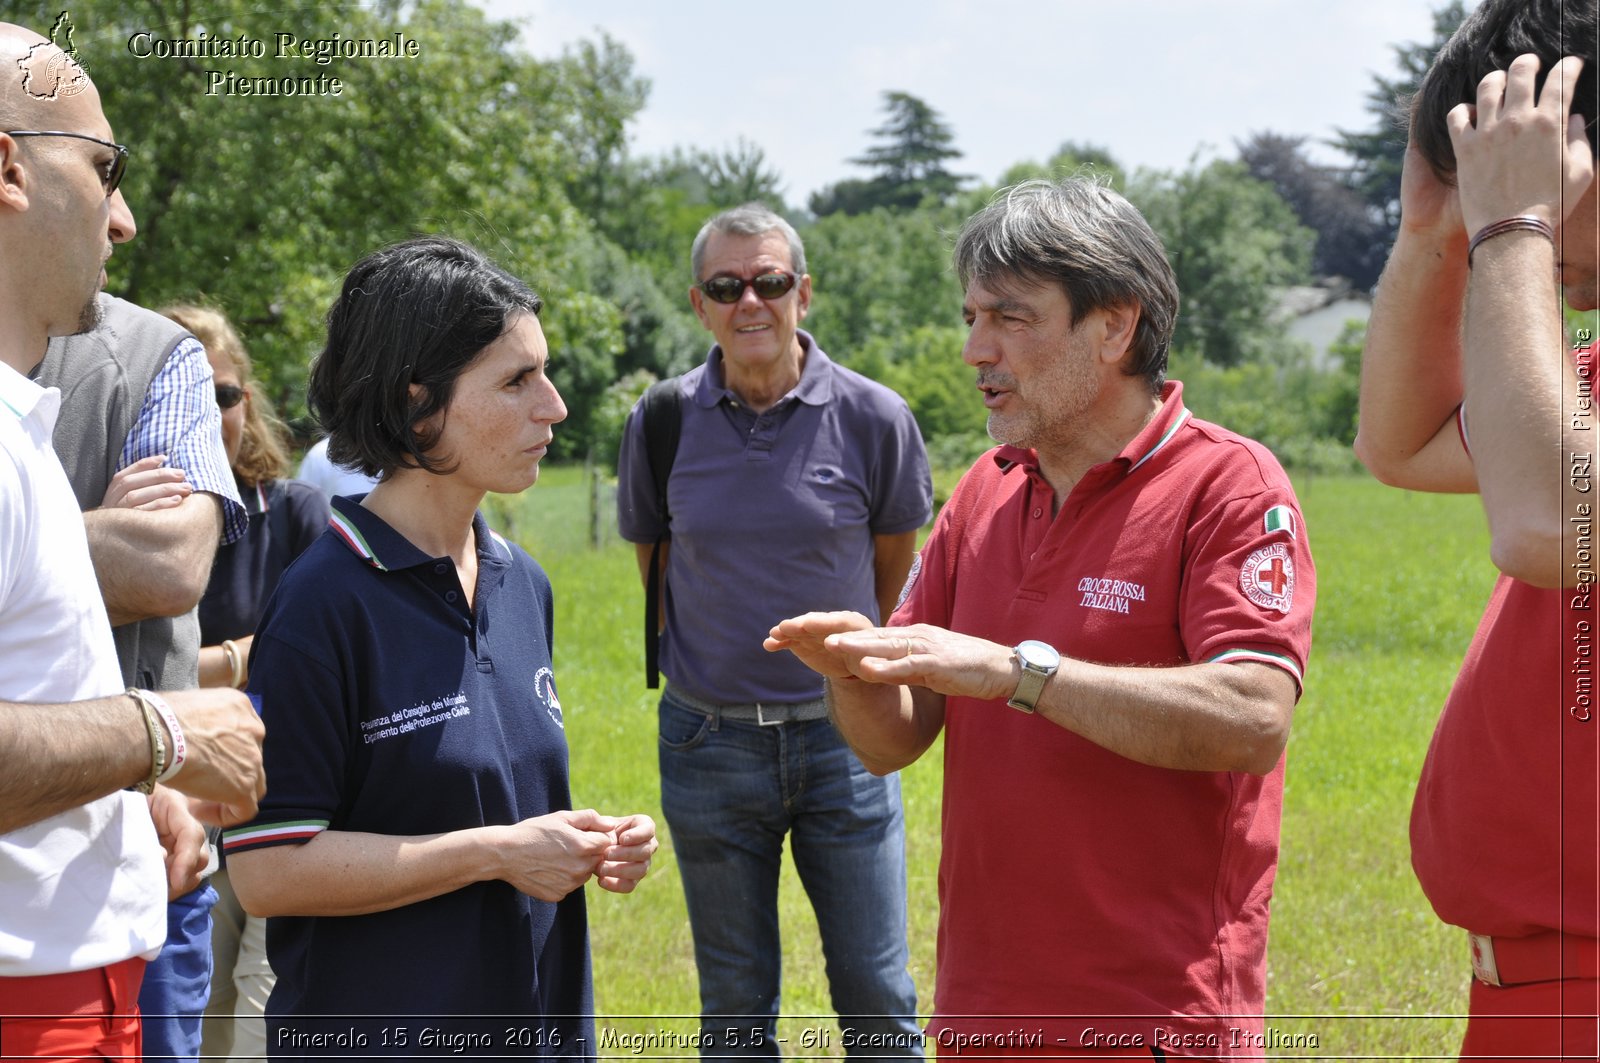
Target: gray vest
<point x="104" y="376"/>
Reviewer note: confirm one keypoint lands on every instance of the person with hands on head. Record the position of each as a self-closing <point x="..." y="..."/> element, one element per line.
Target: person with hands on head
<point x="1110" y="621"/>
<point x="418" y="857"/>
<point x="1470" y="383"/>
<point x="82" y="885"/>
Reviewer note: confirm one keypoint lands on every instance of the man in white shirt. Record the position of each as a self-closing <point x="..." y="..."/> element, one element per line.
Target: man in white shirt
<point x="82" y="886"/>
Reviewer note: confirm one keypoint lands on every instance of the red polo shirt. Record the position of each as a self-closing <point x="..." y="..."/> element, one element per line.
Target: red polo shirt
<point x="1505" y="829"/>
<point x="1078" y="888"/>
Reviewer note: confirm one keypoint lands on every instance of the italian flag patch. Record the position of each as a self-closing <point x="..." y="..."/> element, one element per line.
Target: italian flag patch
<point x="1279" y="518"/>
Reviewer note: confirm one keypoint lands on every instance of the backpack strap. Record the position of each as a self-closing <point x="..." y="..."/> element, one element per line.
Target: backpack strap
<point x="662" y="411"/>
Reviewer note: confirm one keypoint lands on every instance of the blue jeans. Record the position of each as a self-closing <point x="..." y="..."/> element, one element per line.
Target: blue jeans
<point x="730" y="792"/>
<point x="177" y="983"/>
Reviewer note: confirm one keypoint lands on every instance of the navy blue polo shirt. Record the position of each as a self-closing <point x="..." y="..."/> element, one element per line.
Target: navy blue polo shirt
<point x="286" y="516"/>
<point x="391" y="708"/>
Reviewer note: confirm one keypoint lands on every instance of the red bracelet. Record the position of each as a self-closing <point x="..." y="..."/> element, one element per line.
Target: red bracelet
<point x="1520" y="223"/>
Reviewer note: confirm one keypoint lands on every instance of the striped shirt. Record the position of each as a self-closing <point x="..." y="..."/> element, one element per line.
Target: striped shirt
<point x="180" y="419"/>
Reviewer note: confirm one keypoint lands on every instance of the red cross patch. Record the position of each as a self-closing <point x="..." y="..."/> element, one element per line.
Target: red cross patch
<point x="1267" y="577"/>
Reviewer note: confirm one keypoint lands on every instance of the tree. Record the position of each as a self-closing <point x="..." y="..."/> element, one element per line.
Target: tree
<point x="1379" y="152"/>
<point x="1350" y="240"/>
<point x="1231" y="242"/>
<point x="1071" y="159"/>
<point x="879" y="275"/>
<point x="598" y="95"/>
<point x="915" y="143"/>
<point x="259" y="203"/>
<point x="738" y="175"/>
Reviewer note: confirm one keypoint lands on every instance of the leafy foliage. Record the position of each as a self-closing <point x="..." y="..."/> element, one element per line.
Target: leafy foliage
<point x="1350" y="239"/>
<point x="1378" y="152"/>
<point x="914" y="145"/>
<point x="260" y="203"/>
<point x="1232" y="241"/>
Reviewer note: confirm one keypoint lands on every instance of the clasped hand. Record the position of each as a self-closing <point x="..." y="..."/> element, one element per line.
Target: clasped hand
<point x="547" y="857"/>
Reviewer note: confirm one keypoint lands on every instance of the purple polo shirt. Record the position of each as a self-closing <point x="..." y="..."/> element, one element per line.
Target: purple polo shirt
<point x="772" y="516"/>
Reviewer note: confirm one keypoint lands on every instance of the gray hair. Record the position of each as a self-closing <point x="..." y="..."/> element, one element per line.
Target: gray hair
<point x="752" y="219"/>
<point x="1079" y="234"/>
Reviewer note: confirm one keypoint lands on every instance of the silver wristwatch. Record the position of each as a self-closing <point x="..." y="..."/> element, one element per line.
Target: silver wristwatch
<point x="1039" y="663"/>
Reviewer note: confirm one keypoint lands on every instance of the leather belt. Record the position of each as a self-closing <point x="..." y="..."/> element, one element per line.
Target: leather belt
<point x="766" y="714"/>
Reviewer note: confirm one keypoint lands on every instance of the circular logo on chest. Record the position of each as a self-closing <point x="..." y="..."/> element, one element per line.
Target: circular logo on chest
<point x="544" y="686"/>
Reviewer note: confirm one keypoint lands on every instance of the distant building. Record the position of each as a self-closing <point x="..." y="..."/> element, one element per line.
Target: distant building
<point x="1317" y="314"/>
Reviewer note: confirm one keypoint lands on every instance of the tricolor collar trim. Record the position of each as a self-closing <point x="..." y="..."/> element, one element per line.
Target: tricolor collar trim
<point x="1182" y="419"/>
<point x="346" y="530"/>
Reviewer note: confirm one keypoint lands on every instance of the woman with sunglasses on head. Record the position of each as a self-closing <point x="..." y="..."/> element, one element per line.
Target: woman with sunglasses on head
<point x="417" y="853"/>
<point x="286" y="516"/>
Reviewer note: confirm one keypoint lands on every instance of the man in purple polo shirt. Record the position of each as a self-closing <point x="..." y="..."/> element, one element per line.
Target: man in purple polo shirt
<point x="796" y="482"/>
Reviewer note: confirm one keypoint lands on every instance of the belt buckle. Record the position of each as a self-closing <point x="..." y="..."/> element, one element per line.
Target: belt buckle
<point x="762" y="720"/>
<point x="1484" y="968"/>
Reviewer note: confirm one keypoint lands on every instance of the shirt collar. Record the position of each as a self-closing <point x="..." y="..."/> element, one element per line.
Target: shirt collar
<point x="1153" y="438"/>
<point x="370" y="538"/>
<point x="814" y="389"/>
<point x="19" y="396"/>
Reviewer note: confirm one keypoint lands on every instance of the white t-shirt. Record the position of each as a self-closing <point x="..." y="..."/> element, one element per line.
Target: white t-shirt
<point x="331" y="479"/>
<point x="87" y="887"/>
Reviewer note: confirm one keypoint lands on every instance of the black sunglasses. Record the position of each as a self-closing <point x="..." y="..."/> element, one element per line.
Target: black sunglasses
<point x="229" y="395"/>
<point x="114" y="171"/>
<point x="726" y="288"/>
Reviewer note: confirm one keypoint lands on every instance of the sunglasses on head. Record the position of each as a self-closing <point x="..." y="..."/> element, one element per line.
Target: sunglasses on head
<point x="111" y="177"/>
<point x="229" y="395"/>
<point x="726" y="288"/>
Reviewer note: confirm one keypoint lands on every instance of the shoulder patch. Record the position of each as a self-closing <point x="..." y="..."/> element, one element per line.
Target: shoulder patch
<point x="1267" y="578"/>
<point x="1279" y="519"/>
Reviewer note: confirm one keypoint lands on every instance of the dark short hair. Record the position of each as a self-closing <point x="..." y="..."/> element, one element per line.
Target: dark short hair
<point x="417" y="312"/>
<point x="1492" y="36"/>
<point x="1079" y="234"/>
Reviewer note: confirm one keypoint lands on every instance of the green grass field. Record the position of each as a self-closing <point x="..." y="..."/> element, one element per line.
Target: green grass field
<point x="1357" y="958"/>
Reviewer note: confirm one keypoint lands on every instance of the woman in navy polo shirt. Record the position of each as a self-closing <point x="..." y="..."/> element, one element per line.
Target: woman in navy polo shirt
<point x="416" y="850"/>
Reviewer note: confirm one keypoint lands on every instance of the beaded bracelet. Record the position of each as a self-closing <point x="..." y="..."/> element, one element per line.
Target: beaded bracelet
<point x="1519" y="223"/>
<point x="158" y="747"/>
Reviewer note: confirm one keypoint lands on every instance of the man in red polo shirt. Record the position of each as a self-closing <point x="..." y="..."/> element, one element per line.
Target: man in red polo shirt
<point x="1109" y="624"/>
<point x="1469" y="384"/>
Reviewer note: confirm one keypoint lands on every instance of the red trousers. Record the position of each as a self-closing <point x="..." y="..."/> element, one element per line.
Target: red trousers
<point x="1546" y="1020"/>
<point x="80" y="1015"/>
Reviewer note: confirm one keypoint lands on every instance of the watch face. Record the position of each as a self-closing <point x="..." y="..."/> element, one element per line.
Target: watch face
<point x="1038" y="655"/>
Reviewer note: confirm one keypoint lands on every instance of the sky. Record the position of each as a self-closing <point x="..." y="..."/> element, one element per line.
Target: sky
<point x="1155" y="81"/>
